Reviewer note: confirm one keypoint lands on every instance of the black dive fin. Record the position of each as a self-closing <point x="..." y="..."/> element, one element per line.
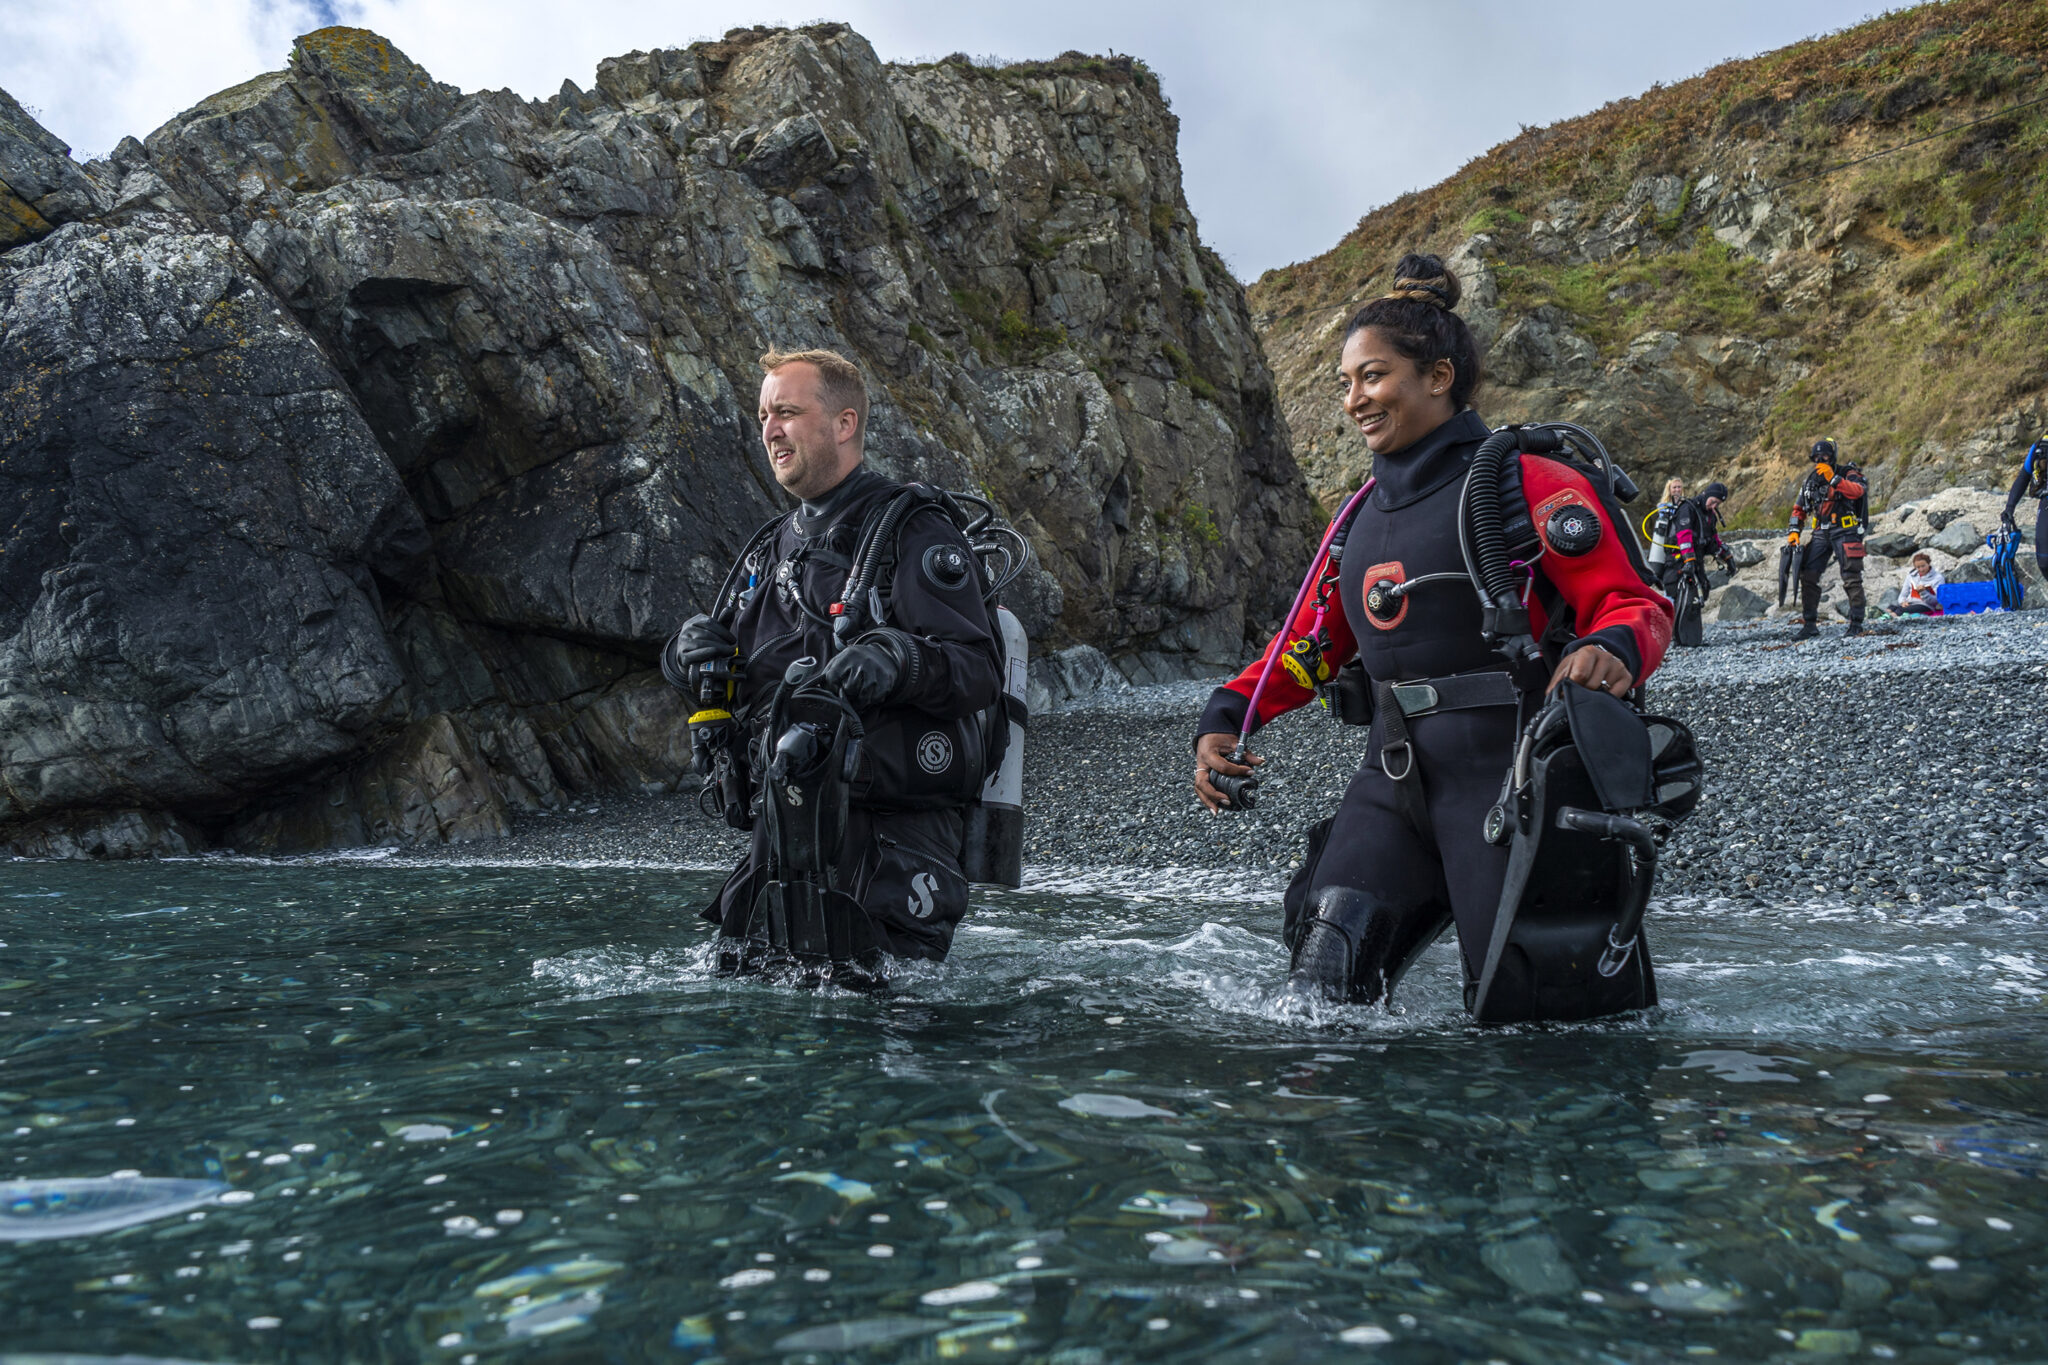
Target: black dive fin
<point x="1567" y="939"/>
<point x="1352" y="950"/>
<point x="806" y="930"/>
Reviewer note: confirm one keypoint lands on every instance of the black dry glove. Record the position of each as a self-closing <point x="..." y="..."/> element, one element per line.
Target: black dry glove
<point x="699" y="641"/>
<point x="876" y="668"/>
<point x="2005" y="520"/>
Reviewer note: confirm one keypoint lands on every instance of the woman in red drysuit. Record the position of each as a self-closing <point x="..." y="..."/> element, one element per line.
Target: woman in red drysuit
<point x="1404" y="854"/>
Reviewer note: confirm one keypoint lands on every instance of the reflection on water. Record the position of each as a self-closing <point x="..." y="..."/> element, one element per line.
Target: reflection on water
<point x="459" y="1113"/>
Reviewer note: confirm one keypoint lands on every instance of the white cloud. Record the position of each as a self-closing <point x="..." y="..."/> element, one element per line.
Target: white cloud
<point x="1295" y="117"/>
<point x="99" y="70"/>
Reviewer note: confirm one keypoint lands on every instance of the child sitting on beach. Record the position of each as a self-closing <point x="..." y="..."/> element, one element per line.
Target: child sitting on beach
<point x="1917" y="587"/>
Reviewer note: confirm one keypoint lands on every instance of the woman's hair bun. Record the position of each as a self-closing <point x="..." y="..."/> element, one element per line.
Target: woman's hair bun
<point x="1419" y="318"/>
<point x="1426" y="279"/>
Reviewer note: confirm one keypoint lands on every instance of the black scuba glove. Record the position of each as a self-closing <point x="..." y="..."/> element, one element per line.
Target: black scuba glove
<point x="876" y="668"/>
<point x="2005" y="521"/>
<point x="699" y="641"/>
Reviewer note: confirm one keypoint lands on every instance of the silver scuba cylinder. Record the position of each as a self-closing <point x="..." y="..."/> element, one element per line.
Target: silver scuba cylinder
<point x="994" y="844"/>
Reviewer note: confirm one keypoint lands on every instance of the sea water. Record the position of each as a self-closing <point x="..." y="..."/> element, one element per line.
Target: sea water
<point x="362" y="1110"/>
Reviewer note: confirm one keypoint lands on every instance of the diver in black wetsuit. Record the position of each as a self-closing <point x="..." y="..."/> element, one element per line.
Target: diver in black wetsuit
<point x="2031" y="482"/>
<point x="917" y="678"/>
<point x="1405" y="855"/>
<point x="1696" y="532"/>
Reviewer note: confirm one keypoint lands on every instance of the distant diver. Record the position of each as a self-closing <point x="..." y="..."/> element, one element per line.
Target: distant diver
<point x="1502" y="620"/>
<point x="1695" y="534"/>
<point x="1834" y="502"/>
<point x="855" y="707"/>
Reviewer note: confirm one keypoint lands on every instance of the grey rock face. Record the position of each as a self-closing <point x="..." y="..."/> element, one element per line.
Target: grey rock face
<point x="199" y="517"/>
<point x="362" y="438"/>
<point x="1892" y="544"/>
<point x="41" y="188"/>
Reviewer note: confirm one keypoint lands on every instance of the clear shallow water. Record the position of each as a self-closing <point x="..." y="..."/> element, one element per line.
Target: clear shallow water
<point x="504" y="1113"/>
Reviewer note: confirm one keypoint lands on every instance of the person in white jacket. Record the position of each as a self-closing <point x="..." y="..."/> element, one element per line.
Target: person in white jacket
<point x="1917" y="585"/>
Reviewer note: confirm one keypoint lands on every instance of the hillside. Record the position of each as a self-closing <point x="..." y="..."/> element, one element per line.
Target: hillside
<point x="1696" y="274"/>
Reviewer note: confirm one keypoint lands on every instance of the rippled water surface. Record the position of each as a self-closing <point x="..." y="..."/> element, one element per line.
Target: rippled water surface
<point x="476" y="1113"/>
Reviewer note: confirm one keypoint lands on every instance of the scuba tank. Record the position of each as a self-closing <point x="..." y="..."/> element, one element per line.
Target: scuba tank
<point x="992" y="850"/>
<point x="994" y="842"/>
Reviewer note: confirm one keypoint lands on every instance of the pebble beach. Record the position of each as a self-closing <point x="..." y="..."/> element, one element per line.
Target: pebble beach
<point x="1900" y="768"/>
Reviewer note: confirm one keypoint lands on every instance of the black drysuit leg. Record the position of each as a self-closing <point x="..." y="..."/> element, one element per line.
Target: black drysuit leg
<point x="1403" y="860"/>
<point x="1849" y="557"/>
<point x="2041" y="536"/>
<point x="1813" y="562"/>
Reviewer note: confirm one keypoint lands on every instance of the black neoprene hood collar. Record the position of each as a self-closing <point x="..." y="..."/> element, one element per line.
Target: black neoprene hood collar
<point x="859" y="481"/>
<point x="1419" y="469"/>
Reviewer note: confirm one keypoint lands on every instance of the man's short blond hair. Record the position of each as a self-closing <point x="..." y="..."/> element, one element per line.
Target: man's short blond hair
<point x="840" y="382"/>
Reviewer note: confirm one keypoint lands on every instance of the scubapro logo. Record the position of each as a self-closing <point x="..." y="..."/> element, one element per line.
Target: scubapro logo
<point x="934" y="752"/>
<point x="921" y="888"/>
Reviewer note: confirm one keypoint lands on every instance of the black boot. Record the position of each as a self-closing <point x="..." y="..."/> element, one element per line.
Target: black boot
<point x="1855" y="628"/>
<point x="1807" y="630"/>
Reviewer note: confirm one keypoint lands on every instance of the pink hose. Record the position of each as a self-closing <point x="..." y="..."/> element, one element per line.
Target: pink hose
<point x="1251" y="711"/>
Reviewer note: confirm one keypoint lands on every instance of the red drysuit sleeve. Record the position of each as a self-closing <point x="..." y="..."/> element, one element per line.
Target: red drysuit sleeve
<point x="1609" y="601"/>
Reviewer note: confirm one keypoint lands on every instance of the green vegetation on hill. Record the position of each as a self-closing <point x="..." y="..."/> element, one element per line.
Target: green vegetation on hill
<point x="1910" y="289"/>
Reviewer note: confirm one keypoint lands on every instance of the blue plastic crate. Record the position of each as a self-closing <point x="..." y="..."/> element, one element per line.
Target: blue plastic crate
<point x="1967" y="598"/>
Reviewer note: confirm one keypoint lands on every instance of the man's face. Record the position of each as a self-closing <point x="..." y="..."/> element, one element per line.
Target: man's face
<point x="1713" y="503"/>
<point x="809" y="449"/>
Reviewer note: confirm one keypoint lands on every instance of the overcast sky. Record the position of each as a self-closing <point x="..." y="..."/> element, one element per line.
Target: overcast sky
<point x="1296" y="118"/>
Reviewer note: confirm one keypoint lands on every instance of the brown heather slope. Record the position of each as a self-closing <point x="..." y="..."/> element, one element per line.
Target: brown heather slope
<point x="1695" y="275"/>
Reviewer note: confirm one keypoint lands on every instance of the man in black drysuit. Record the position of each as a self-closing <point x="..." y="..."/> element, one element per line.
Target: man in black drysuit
<point x="917" y="679"/>
<point x="1836" y="503"/>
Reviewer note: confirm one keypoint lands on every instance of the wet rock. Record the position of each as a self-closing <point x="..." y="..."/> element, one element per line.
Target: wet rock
<point x="105" y="834"/>
<point x="1533" y="1265"/>
<point x="1070" y="674"/>
<point x="1864" y="1289"/>
<point x="1745" y="553"/>
<point x="1893" y="544"/>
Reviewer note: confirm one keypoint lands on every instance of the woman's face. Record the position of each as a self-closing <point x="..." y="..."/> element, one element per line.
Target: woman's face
<point x="1394" y="401"/>
<point x="1674" y="490"/>
<point x="1922" y="564"/>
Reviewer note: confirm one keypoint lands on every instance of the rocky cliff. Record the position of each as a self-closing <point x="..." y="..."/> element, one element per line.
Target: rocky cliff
<point x="1840" y="238"/>
<point x="360" y="439"/>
